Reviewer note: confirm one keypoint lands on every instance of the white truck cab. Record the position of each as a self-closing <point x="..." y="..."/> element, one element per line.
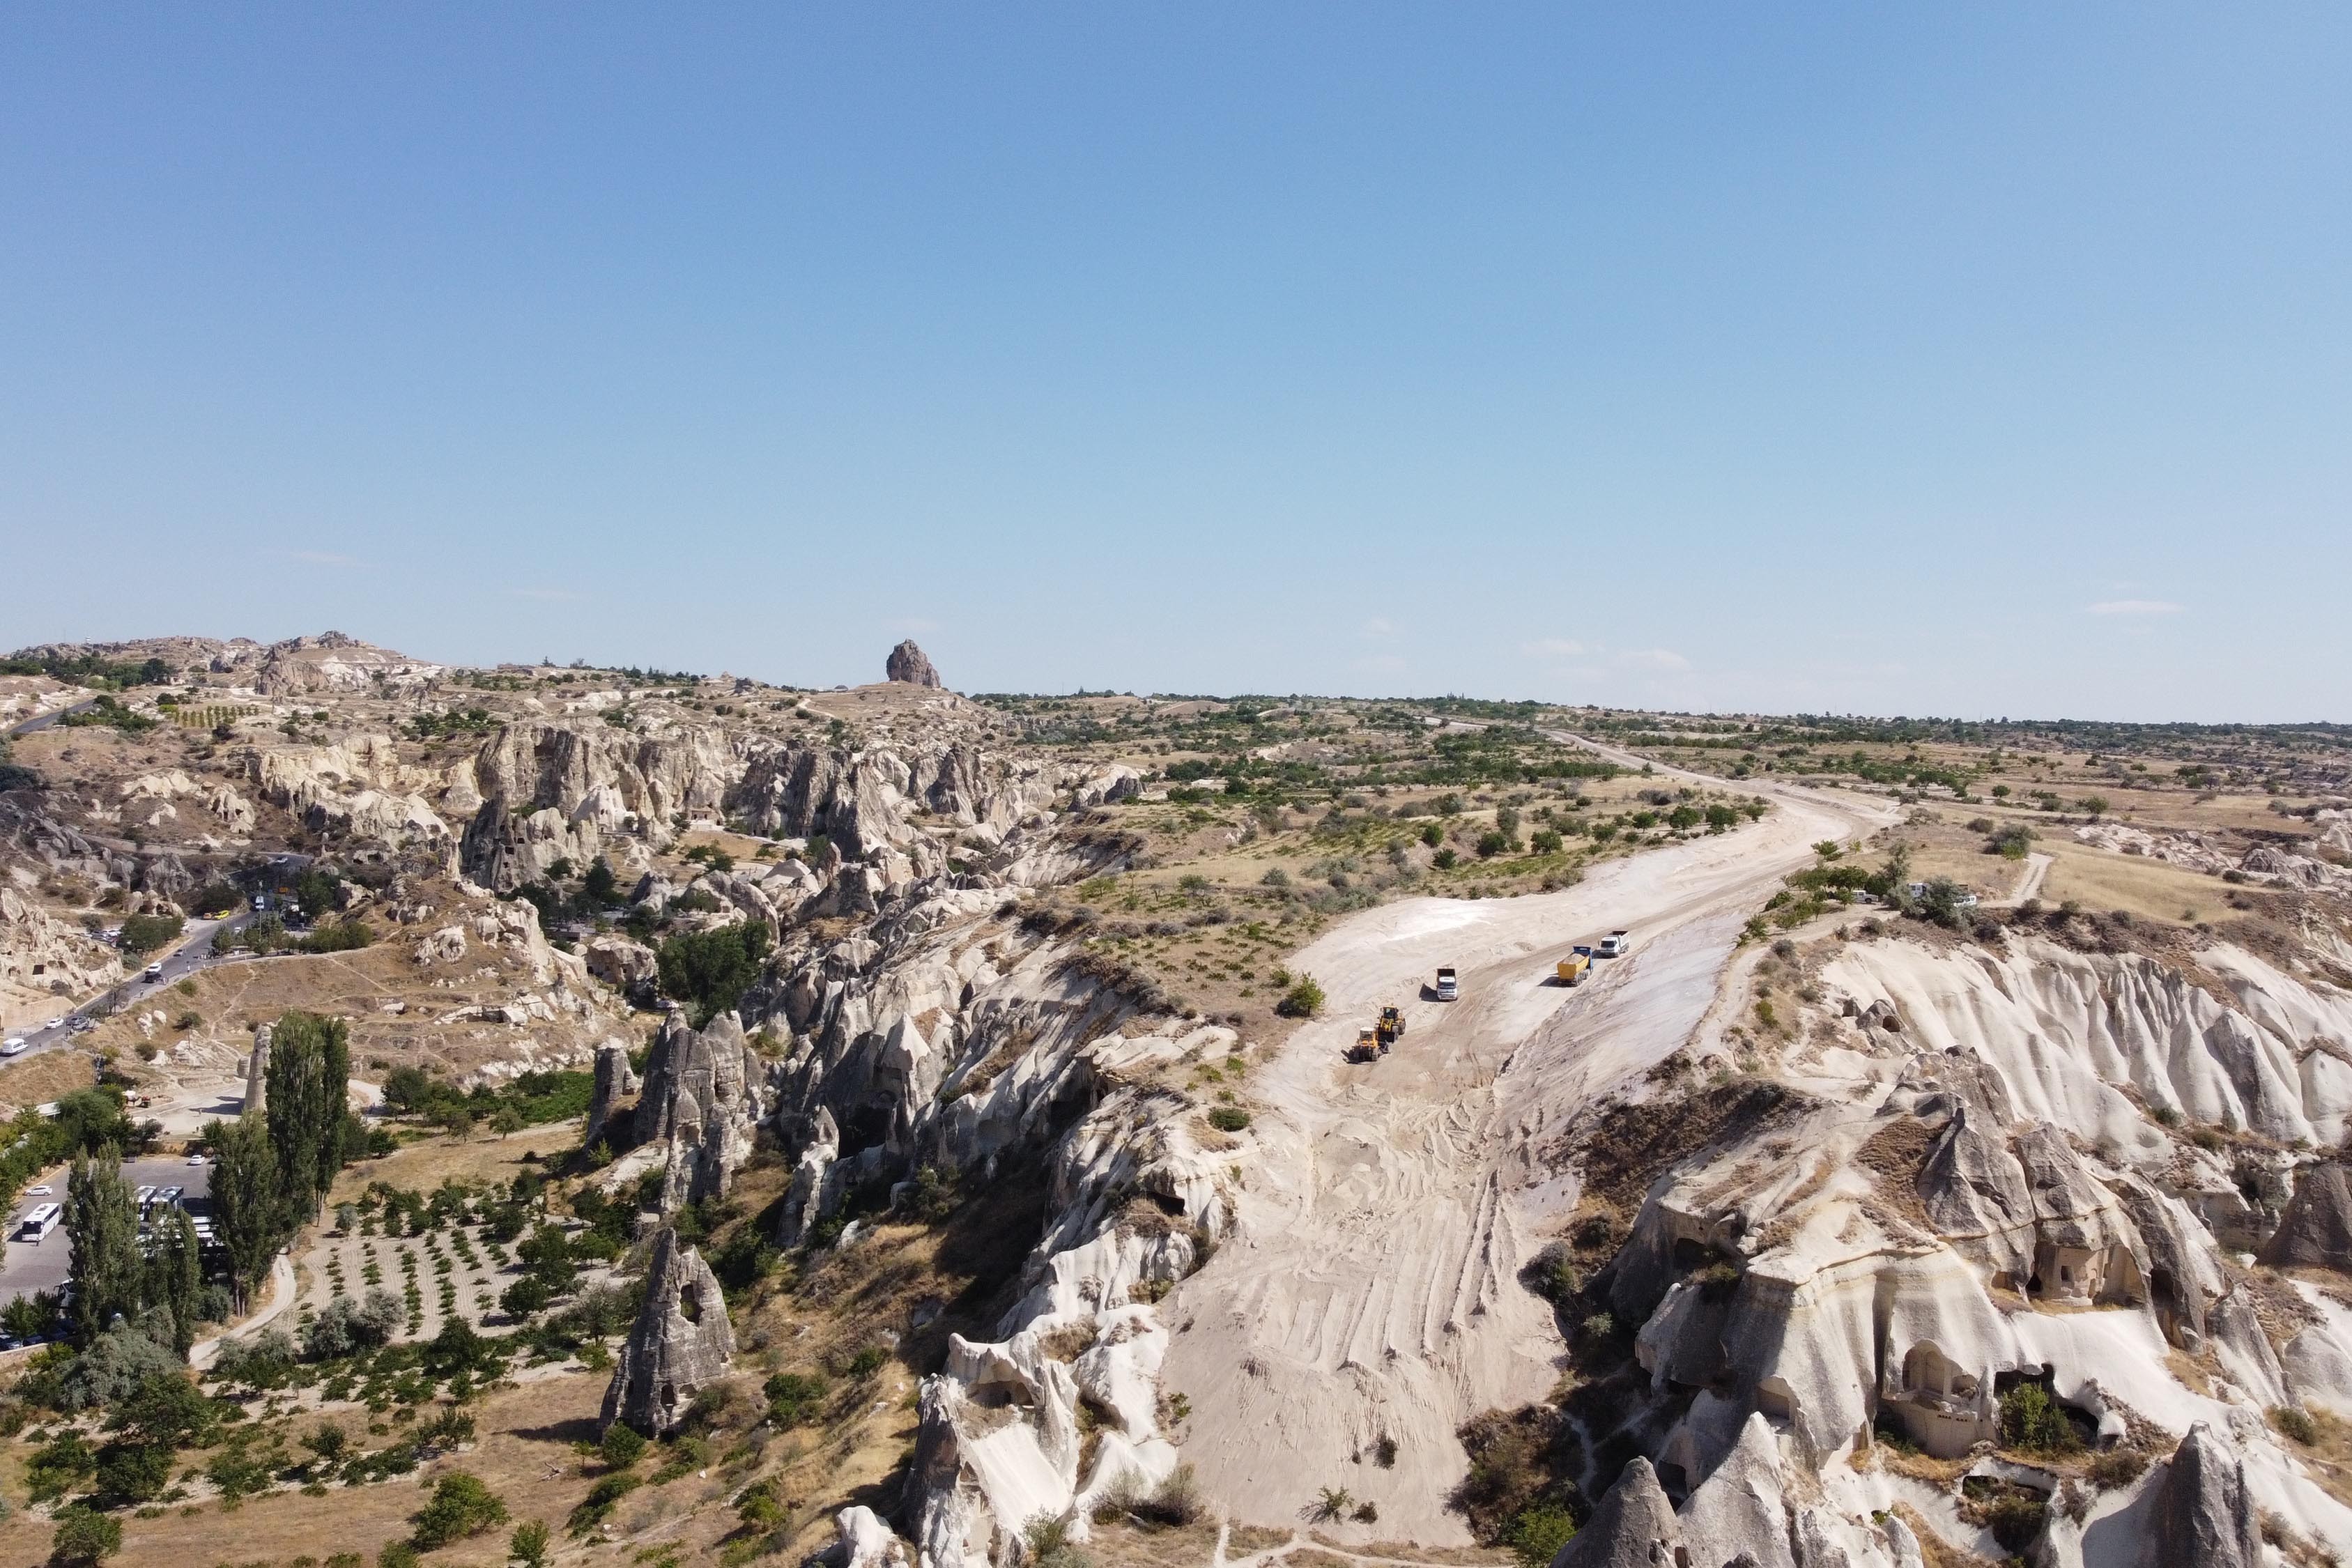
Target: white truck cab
<point x="1616" y="944"/>
<point x="1448" y="988"/>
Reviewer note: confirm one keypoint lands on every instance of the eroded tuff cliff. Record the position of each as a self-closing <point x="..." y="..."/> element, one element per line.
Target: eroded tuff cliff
<point x="1977" y="1173"/>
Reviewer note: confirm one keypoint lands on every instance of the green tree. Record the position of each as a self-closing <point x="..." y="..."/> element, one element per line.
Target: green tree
<point x="529" y="1546"/>
<point x="710" y="970"/>
<point x="168" y="1412"/>
<point x="1303" y="1000"/>
<point x="102" y="1223"/>
<point x="624" y="1445"/>
<point x="84" y="1537"/>
<point x="2030" y="1420"/>
<point x="135" y="1472"/>
<point x="310" y="1075"/>
<point x="143" y="934"/>
<point x="175" y="1277"/>
<point x="1537" y="1531"/>
<point x="248" y="1204"/>
<point x="461" y="1506"/>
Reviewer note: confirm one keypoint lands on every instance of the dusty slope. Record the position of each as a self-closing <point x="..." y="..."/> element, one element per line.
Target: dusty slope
<point x="1370" y="1289"/>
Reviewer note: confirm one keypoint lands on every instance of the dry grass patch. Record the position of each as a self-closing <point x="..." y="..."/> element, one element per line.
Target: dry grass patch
<point x="524" y="1454"/>
<point x="477" y="1159"/>
<point x="1244" y="1539"/>
<point x="2151" y="889"/>
<point x="1937" y="1552"/>
<point x="43" y="1078"/>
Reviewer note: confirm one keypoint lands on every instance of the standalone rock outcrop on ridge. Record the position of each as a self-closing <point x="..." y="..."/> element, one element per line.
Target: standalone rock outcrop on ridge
<point x="678" y="1345"/>
<point x="705" y="1097"/>
<point x="2204" y="1515"/>
<point x="2316" y="1232"/>
<point x="615" y="1081"/>
<point x="908" y="664"/>
<point x="1635" y="1527"/>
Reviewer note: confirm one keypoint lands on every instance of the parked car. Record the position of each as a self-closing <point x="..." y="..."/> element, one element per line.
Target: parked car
<point x="55" y="1024"/>
<point x="154" y="972"/>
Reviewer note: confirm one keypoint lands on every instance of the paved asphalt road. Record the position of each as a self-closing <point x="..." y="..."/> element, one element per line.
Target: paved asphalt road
<point x="43" y="721"/>
<point x="194" y="953"/>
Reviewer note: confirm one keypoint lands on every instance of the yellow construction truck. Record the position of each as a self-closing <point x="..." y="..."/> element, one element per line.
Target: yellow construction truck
<point x="1392" y="1026"/>
<point x="1575" y="966"/>
<point x="1367" y="1047"/>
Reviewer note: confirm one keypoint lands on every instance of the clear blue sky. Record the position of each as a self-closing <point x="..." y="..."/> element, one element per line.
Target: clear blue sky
<point x="1965" y="359"/>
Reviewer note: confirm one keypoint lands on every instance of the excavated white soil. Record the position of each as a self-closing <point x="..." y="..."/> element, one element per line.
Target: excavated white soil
<point x="1370" y="1288"/>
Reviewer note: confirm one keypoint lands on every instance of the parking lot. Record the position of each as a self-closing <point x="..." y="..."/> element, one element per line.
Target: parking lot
<point x="34" y="1266"/>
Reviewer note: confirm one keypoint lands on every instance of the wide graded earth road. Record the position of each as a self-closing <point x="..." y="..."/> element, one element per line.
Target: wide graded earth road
<point x="1370" y="1289"/>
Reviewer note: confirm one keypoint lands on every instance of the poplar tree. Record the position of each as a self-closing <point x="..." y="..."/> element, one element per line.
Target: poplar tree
<point x="309" y="1077"/>
<point x="175" y="1275"/>
<point x="248" y="1200"/>
<point x="102" y="1222"/>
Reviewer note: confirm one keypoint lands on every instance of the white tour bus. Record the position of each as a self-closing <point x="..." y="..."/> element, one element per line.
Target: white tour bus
<point x="38" y="1222"/>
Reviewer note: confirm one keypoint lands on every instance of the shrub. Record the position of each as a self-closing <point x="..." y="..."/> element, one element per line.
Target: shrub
<point x="1545" y="841"/>
<point x="794" y="1398"/>
<point x="136" y="1472"/>
<point x="1050" y="1546"/>
<point x="1537" y="1533"/>
<point x="338" y="936"/>
<point x="1553" y="1275"/>
<point x="528" y="1547"/>
<point x="2034" y="1423"/>
<point x="2015" y="1520"/>
<point x="396" y="1555"/>
<point x="461" y="1506"/>
<point x="84" y="1537"/>
<point x="1229" y="1119"/>
<point x="1175" y="1502"/>
<point x="601" y="1498"/>
<point x="1444" y="859"/>
<point x="2291" y="1419"/>
<point x="2010" y="843"/>
<point x="1303" y="1000"/>
<point x="622" y="1446"/>
<point x="1275" y="876"/>
<point x="1493" y="842"/>
<point x="757" y="1506"/>
<point x="2116" y="1467"/>
<point x="1331" y="1504"/>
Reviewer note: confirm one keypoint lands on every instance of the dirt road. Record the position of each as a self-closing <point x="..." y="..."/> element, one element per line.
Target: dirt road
<point x="1371" y="1289"/>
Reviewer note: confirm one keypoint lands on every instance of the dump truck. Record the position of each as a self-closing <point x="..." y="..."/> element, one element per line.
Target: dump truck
<point x="1367" y="1047"/>
<point x="1616" y="944"/>
<point x="1446" y="988"/>
<point x="1392" y="1025"/>
<point x="1575" y="966"/>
